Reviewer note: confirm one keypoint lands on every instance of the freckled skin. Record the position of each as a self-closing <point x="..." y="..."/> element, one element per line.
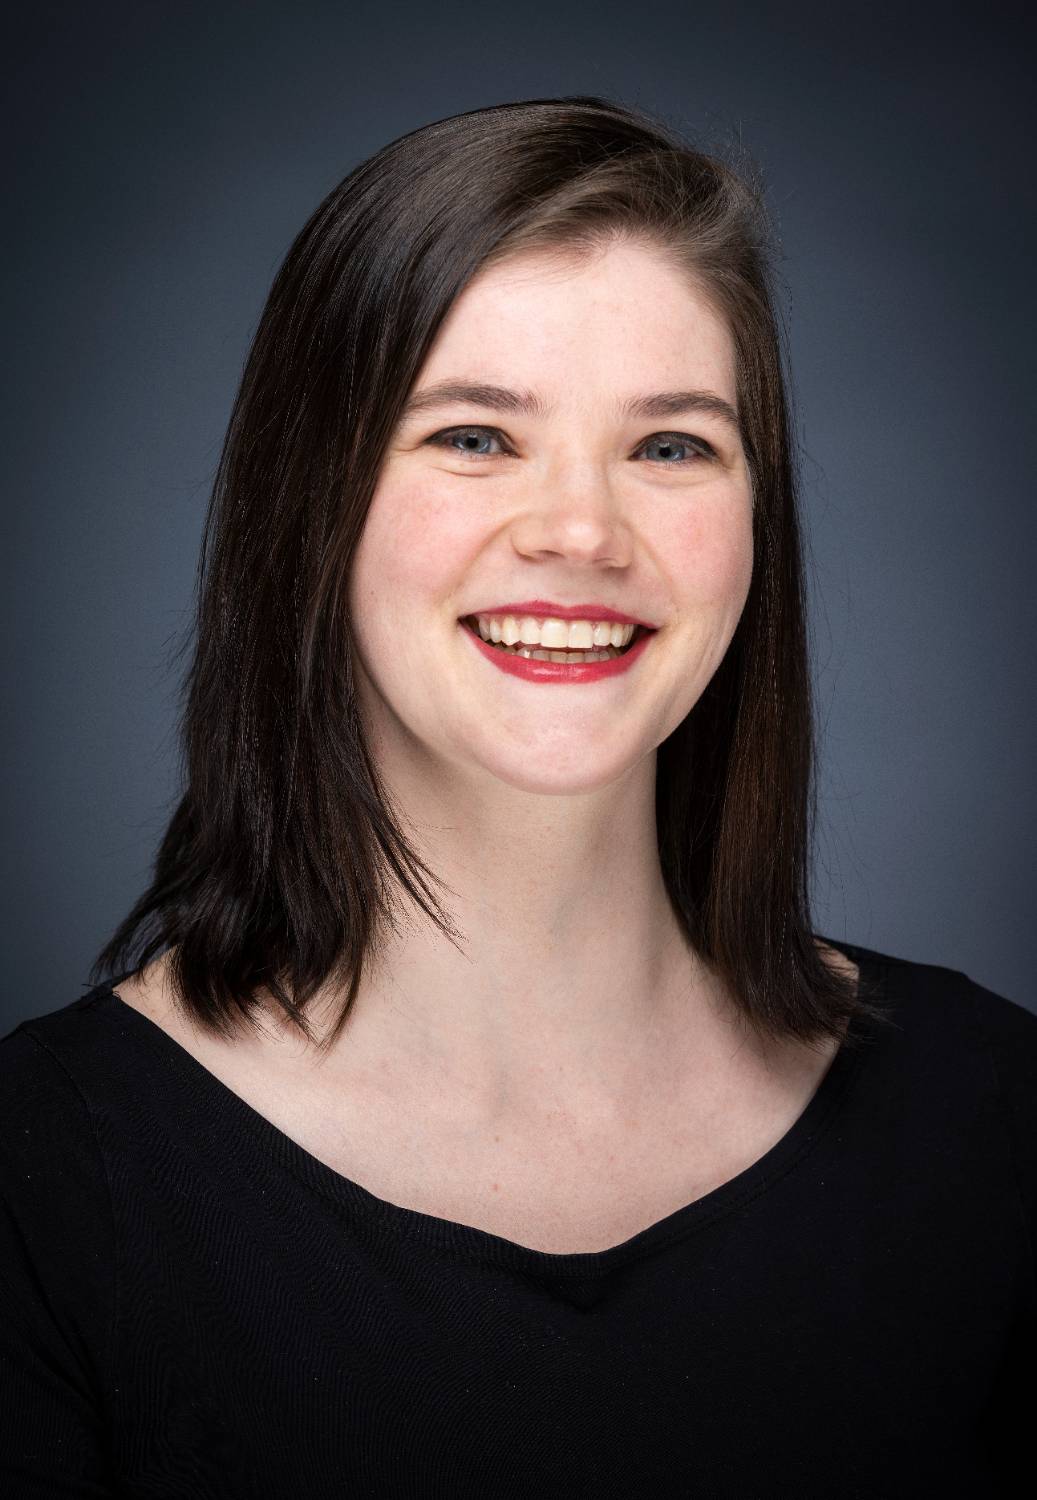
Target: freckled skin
<point x="571" y="503"/>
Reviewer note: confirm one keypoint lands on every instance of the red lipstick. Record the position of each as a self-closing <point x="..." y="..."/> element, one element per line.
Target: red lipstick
<point x="560" y="671"/>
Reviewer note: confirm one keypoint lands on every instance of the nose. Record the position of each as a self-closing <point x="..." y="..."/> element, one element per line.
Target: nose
<point x="576" y="516"/>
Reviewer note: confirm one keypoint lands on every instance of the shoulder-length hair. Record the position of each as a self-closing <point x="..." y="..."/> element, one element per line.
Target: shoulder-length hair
<point x="282" y="862"/>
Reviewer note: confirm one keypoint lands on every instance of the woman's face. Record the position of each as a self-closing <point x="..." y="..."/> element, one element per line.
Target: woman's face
<point x="482" y="503"/>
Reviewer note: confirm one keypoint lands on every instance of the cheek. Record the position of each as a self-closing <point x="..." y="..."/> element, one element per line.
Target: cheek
<point x="414" y="542"/>
<point x="712" y="552"/>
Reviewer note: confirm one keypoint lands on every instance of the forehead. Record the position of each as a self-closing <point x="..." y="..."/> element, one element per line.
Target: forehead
<point x="622" y="316"/>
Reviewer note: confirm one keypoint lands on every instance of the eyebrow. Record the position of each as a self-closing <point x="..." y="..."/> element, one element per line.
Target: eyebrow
<point x="499" y="398"/>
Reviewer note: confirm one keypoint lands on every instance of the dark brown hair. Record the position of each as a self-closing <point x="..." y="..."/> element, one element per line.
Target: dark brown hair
<point x="282" y="862"/>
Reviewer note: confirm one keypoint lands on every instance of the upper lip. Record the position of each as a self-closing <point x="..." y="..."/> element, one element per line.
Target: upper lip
<point x="543" y="609"/>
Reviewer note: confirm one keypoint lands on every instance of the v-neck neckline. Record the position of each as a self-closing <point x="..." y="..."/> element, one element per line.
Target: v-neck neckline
<point x="468" y="1241"/>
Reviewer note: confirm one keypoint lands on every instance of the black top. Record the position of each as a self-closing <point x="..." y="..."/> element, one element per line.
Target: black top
<point x="195" y="1306"/>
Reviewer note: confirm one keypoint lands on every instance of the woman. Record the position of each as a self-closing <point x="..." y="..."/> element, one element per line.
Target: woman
<point x="605" y="1175"/>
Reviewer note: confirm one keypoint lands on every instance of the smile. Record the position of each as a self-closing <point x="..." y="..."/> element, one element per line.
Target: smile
<point x="540" y="663"/>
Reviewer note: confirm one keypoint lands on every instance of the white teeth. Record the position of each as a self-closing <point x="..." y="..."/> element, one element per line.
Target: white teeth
<point x="553" y="634"/>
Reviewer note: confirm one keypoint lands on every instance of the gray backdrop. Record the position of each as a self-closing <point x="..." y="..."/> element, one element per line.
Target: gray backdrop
<point x="163" y="156"/>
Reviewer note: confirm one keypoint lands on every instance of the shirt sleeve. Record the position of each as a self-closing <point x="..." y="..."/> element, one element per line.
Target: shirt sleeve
<point x="57" y="1283"/>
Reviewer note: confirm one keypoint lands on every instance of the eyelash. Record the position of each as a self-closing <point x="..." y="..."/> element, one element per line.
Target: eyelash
<point x="702" y="448"/>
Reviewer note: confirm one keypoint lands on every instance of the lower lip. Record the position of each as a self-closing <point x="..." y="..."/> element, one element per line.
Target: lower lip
<point x="557" y="671"/>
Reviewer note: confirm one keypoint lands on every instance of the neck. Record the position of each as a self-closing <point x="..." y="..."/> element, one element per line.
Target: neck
<point x="575" y="987"/>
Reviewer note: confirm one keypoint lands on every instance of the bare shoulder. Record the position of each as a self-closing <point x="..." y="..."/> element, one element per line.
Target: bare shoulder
<point x="152" y="993"/>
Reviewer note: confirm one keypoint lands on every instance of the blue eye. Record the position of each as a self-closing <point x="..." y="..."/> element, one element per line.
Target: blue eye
<point x="679" y="440"/>
<point x="471" y="437"/>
